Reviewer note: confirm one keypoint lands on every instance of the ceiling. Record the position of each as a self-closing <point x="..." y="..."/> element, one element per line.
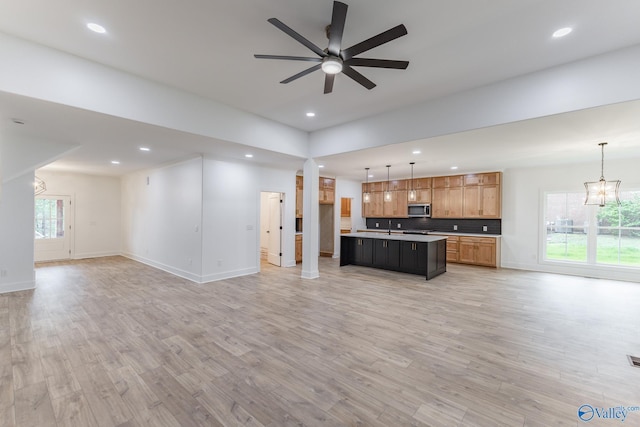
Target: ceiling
<point x="207" y="48"/>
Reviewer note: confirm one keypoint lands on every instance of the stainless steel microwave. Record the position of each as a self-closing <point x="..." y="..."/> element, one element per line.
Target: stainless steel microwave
<point x="419" y="210"/>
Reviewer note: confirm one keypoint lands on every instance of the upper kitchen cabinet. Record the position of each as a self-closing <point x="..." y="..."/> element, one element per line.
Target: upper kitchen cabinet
<point x="447" y="197"/>
<point x="448" y="181"/>
<point x="299" y="196"/>
<point x="481" y="197"/>
<point x="397" y="206"/>
<point x="422" y="187"/>
<point x="327" y="191"/>
<point x="373" y="209"/>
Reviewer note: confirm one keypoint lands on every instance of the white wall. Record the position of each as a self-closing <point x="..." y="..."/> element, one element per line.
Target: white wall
<point x="161" y="220"/>
<point x="16" y="234"/>
<point x="96" y="211"/>
<point x="231" y="216"/>
<point x="522" y="212"/>
<point x="200" y="219"/>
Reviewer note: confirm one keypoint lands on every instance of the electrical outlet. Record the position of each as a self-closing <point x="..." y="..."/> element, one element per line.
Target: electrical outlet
<point x="3" y="273"/>
<point x="377" y="224"/>
<point x="399" y="225"/>
<point x="484" y="228"/>
<point x="455" y="227"/>
<point x="219" y="263"/>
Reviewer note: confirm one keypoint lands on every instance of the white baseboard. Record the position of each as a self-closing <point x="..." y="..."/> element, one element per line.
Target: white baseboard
<point x="160" y="266"/>
<point x="17" y="286"/>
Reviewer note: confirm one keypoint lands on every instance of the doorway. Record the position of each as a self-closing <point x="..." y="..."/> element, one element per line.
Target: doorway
<point x="271" y="227"/>
<point x="52" y="228"/>
<point x="326" y="230"/>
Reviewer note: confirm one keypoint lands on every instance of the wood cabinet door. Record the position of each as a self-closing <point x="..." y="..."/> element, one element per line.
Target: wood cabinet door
<point x="471" y="202"/>
<point x="299" y="198"/>
<point x="373" y="209"/>
<point x="345" y="207"/>
<point x="490" y="201"/>
<point x="455" y="202"/>
<point x="397" y="207"/>
<point x="452" y="248"/>
<point x="486" y="253"/>
<point x="298" y="248"/>
<point x="467" y="251"/>
<point x="439" y="203"/>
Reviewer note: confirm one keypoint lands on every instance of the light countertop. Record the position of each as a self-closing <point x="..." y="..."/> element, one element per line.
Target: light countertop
<point x="432" y="233"/>
<point x="396" y="236"/>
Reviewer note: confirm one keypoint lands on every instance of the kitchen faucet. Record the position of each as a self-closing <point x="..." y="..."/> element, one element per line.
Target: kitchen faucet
<point x="389" y="227"/>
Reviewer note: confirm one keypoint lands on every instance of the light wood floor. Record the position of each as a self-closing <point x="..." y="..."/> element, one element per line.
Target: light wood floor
<point x="111" y="342"/>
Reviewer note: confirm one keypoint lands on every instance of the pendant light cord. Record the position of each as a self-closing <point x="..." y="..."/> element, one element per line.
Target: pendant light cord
<point x="602" y="144"/>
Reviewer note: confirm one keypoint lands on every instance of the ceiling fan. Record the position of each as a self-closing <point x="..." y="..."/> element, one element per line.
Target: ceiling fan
<point x="334" y="59"/>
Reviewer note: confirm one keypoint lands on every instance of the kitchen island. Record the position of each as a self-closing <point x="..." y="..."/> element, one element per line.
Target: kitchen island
<point x="408" y="253"/>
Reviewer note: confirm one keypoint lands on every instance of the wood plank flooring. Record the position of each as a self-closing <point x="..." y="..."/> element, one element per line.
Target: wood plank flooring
<point x="111" y="342"/>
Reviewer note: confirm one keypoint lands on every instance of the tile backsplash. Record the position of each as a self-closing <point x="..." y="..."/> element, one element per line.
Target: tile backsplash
<point x="476" y="226"/>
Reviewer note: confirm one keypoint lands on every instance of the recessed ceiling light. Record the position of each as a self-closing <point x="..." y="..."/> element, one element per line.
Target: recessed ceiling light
<point x="562" y="32"/>
<point x="416" y="152"/>
<point x="454" y="167"/>
<point x="320" y="166"/>
<point x="311" y="114"/>
<point x="248" y="156"/>
<point x="96" y="28"/>
<point x="115" y="162"/>
<point x="145" y="149"/>
<point x="371" y="176"/>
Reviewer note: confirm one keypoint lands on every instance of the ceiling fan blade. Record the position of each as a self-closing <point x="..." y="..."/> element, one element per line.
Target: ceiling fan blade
<point x="328" y="82"/>
<point x="300" y="39"/>
<point x="377" y="63"/>
<point x="301" y="74"/>
<point x="336" y="28"/>
<point x="290" y="58"/>
<point x="350" y="72"/>
<point x="374" y="41"/>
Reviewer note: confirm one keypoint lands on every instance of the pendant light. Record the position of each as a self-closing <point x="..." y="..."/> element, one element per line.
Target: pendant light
<point x="602" y="192"/>
<point x="366" y="196"/>
<point x="411" y="196"/>
<point x="387" y="194"/>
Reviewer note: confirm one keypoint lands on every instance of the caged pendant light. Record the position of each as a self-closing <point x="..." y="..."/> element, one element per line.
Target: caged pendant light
<point x="602" y="192"/>
<point x="366" y="196"/>
<point x="411" y="196"/>
<point x="387" y="194"/>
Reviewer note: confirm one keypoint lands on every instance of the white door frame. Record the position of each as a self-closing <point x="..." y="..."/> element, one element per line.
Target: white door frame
<point x="56" y="249"/>
<point x="274" y="240"/>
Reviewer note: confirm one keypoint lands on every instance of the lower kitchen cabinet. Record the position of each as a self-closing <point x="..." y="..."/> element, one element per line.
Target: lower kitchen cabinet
<point x="478" y="251"/>
<point x="386" y="253"/>
<point x="298" y="247"/>
<point x="356" y="250"/>
<point x="413" y="255"/>
<point x="452" y="248"/>
<point x="424" y="258"/>
<point x="474" y="250"/>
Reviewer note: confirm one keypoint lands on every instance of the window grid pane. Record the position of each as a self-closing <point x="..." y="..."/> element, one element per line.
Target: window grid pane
<point x="615" y="239"/>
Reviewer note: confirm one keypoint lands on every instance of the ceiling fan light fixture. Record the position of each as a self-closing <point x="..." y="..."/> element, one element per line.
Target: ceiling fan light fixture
<point x="331" y="65"/>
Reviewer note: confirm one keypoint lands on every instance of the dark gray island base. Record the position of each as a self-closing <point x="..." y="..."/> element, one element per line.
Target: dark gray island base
<point x="416" y="254"/>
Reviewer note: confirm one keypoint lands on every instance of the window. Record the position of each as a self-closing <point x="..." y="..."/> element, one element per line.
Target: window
<point x="49" y="218"/>
<point x="608" y="235"/>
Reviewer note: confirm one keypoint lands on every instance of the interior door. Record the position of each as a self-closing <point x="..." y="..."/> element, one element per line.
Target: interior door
<point x="274" y="254"/>
<point x="52" y="228"/>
